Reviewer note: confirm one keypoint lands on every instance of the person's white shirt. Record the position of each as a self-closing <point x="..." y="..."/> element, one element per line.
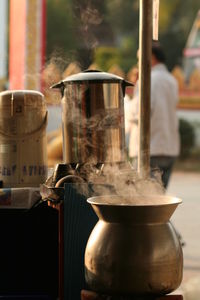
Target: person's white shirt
<point x="164" y="132"/>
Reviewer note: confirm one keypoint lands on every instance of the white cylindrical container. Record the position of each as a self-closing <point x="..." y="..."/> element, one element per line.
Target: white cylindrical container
<point x="23" y="148"/>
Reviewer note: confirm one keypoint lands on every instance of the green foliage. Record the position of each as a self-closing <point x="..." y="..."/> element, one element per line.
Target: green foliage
<point x="124" y="56"/>
<point x="123" y="15"/>
<point x="167" y="9"/>
<point x="127" y="52"/>
<point x="187" y="137"/>
<point x="105" y="57"/>
<point x="77" y="28"/>
<point x="74" y="28"/>
<point x="60" y="26"/>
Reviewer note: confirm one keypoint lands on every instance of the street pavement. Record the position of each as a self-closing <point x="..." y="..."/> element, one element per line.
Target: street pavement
<point x="186" y="220"/>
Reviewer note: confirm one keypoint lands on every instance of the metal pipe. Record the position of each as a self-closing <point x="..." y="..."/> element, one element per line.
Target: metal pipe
<point x="145" y="50"/>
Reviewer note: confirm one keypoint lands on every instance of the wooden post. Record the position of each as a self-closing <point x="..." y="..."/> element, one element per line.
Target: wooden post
<point x="145" y="50"/>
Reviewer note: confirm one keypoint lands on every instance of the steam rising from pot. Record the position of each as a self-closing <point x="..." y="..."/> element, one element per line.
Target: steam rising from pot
<point x="90" y="17"/>
<point x="125" y="183"/>
<point x="93" y="133"/>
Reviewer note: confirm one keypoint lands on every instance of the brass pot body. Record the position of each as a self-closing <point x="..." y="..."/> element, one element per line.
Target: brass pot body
<point x="133" y="249"/>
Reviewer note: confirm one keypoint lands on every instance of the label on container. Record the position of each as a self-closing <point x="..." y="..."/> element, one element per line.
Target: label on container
<point x="34" y="170"/>
<point x="7" y="170"/>
<point x="25" y="170"/>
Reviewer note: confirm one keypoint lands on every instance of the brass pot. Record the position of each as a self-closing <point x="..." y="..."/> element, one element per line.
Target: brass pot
<point x="133" y="249"/>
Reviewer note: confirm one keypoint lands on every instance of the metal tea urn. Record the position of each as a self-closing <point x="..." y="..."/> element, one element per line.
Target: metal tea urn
<point x="93" y="117"/>
<point x="133" y="249"/>
<point x="23" y="121"/>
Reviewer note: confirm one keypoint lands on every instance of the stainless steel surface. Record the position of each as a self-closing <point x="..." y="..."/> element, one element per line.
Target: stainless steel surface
<point x="23" y="120"/>
<point x="93" y="76"/>
<point x="93" y="122"/>
<point x="145" y="45"/>
<point x="133" y="249"/>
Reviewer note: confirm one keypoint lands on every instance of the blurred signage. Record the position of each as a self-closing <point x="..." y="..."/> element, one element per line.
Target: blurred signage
<point x="191" y="52"/>
<point x="3" y="38"/>
<point x="156" y="4"/>
<point x="27" y="43"/>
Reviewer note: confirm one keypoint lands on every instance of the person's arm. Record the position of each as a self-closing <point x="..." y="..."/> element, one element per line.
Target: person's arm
<point x="133" y="109"/>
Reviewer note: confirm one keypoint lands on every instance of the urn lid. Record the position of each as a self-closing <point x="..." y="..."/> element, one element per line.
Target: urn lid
<point x="91" y="75"/>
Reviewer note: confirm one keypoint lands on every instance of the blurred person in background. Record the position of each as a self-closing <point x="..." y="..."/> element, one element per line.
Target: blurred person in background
<point x="132" y="76"/>
<point x="164" y="132"/>
<point x="164" y="127"/>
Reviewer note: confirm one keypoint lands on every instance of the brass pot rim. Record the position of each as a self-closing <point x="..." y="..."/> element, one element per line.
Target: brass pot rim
<point x="139" y="200"/>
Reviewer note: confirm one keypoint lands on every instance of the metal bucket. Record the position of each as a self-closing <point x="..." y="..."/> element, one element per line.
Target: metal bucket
<point x="23" y="120"/>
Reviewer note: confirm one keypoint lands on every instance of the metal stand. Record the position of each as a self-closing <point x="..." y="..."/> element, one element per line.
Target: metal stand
<point x="29" y="253"/>
<point x="76" y="221"/>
